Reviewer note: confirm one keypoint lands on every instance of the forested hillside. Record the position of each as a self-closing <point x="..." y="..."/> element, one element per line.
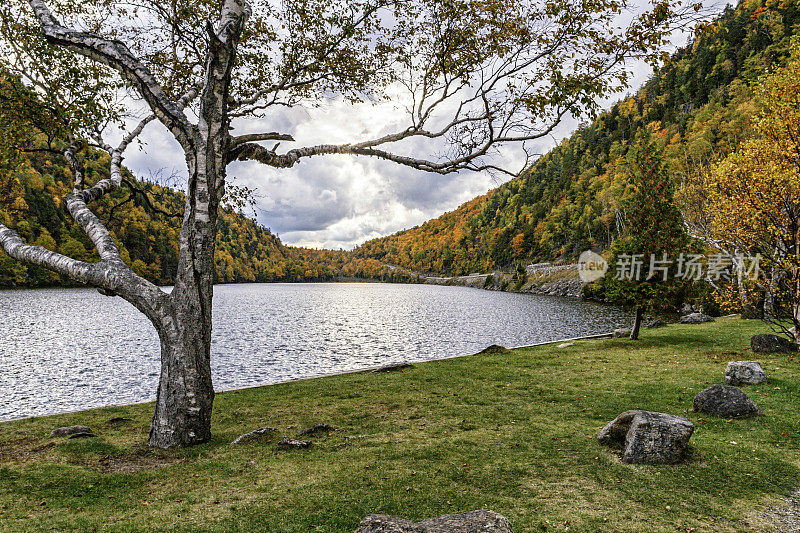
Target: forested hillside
<point x="698" y="106"/>
<point x="145" y="221"/>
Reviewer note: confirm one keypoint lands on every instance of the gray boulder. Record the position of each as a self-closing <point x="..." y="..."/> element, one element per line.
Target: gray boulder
<point x="688" y="309"/>
<point x="769" y="343"/>
<point x="657" y="323"/>
<point x="472" y="522"/>
<point x="725" y="401"/>
<point x="67" y="431"/>
<point x="619" y="333"/>
<point x="696" y="318"/>
<point x="646" y="437"/>
<point x="744" y="373"/>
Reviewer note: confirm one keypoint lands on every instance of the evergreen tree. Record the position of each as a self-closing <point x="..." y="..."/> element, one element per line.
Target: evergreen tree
<point x="643" y="261"/>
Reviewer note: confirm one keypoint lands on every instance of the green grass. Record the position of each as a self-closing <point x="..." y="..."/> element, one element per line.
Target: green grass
<point x="513" y="432"/>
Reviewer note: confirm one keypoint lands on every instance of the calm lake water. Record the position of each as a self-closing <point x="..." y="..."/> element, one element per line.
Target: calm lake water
<point x="69" y="349"/>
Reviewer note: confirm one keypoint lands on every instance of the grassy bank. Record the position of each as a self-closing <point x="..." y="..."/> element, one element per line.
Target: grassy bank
<point x="513" y="432"/>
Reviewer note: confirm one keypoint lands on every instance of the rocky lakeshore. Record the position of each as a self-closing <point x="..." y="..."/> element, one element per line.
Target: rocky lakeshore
<point x="541" y="278"/>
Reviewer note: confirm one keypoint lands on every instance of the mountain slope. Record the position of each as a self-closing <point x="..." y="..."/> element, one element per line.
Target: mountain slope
<point x="146" y="226"/>
<point x="698" y="105"/>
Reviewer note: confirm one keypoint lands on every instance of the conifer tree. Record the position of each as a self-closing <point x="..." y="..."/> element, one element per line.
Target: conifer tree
<point x="643" y="262"/>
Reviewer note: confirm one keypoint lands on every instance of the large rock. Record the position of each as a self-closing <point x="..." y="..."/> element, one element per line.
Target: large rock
<point x="647" y="437"/>
<point x="725" y="401"/>
<point x="696" y="318"/>
<point x="769" y="343"/>
<point x="70" y="430"/>
<point x="620" y="333"/>
<point x="657" y="323"/>
<point x="472" y="522"/>
<point x="744" y="373"/>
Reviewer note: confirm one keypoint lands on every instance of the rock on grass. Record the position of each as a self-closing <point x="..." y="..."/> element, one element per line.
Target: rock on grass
<point x="394" y="367"/>
<point x="769" y="343"/>
<point x="725" y="401"/>
<point x="647" y="437"/>
<point x="744" y="373"/>
<point x="493" y="349"/>
<point x="472" y="522"/>
<point x="316" y="429"/>
<point x="82" y="435"/>
<point x="696" y="318"/>
<point x="67" y="431"/>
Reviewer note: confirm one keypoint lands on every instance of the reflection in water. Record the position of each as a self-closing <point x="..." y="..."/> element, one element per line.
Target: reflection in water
<point x="69" y="349"/>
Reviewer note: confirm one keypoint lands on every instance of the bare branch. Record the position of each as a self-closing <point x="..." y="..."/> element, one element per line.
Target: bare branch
<point x="117" y="56"/>
<point x="254" y="137"/>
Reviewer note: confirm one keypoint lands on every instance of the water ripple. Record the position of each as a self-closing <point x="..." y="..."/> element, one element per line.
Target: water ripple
<point x="68" y="349"/>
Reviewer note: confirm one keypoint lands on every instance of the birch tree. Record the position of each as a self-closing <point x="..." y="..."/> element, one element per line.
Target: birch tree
<point x="473" y="75"/>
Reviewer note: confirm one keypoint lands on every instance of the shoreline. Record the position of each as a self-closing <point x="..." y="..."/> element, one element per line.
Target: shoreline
<point x="497" y="431"/>
<point x="308" y="378"/>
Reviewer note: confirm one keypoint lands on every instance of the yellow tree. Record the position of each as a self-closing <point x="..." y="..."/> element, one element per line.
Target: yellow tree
<point x="754" y="193"/>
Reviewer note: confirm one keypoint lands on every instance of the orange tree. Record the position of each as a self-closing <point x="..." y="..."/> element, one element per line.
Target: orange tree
<point x="754" y="194"/>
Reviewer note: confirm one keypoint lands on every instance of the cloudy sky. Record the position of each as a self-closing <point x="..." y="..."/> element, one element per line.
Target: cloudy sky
<point x="342" y="201"/>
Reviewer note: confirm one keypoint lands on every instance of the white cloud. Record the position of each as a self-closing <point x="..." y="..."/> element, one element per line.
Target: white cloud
<point x="341" y="201"/>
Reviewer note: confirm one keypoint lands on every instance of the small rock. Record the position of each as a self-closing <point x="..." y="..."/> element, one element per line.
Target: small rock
<point x="657" y="323"/>
<point x="493" y="349"/>
<point x="688" y="309"/>
<point x="287" y="443"/>
<point x="619" y="333"/>
<point x="317" y="429"/>
<point x="565" y="345"/>
<point x="261" y="432"/>
<point x="769" y="343"/>
<point x="84" y="434"/>
<point x="744" y="373"/>
<point x="725" y="401"/>
<point x="647" y="437"/>
<point x="392" y="367"/>
<point x="696" y="318"/>
<point x="473" y="522"/>
<point x="69" y="430"/>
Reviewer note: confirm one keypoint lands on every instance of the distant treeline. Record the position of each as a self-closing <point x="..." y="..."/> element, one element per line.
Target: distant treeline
<point x="145" y="219"/>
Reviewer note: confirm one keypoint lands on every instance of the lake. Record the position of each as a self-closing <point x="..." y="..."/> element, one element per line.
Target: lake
<point x="69" y="349"/>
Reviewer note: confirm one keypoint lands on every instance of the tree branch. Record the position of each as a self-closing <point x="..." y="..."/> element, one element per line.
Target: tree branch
<point x="117" y="56"/>
<point x="87" y="273"/>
